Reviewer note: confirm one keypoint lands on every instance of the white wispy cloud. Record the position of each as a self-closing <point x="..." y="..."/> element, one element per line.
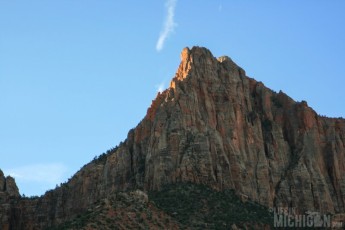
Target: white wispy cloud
<point x="160" y="87"/>
<point x="48" y="174"/>
<point x="169" y="24"/>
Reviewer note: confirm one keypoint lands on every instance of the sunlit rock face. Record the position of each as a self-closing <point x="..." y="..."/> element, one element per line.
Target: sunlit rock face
<point x="214" y="126"/>
<point x="217" y="126"/>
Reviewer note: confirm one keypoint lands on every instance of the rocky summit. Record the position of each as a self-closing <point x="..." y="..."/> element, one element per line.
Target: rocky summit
<point x="213" y="127"/>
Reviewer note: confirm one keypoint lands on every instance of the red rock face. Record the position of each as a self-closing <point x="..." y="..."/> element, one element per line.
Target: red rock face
<point x="214" y="126"/>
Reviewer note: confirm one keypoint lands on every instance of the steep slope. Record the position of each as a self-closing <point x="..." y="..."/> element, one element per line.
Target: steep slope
<point x="217" y="127"/>
<point x="176" y="206"/>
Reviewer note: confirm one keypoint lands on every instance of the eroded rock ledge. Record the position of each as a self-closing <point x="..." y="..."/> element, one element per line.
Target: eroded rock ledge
<point x="213" y="126"/>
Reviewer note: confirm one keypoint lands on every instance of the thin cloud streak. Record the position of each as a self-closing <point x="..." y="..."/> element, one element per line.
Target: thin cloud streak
<point x="160" y="87"/>
<point x="50" y="174"/>
<point x="169" y="24"/>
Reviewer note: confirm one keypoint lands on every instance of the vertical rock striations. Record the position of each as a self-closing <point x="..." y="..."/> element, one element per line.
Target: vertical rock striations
<point x="214" y="126"/>
<point x="9" y="194"/>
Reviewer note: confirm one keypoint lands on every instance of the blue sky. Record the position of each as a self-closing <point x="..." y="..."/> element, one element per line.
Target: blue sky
<point x="75" y="76"/>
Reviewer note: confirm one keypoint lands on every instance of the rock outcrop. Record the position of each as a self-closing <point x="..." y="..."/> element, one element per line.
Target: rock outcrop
<point x="9" y="194"/>
<point x="8" y="186"/>
<point x="218" y="127"/>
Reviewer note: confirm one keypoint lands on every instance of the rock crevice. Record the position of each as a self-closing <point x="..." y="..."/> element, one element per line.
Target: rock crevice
<point x="218" y="127"/>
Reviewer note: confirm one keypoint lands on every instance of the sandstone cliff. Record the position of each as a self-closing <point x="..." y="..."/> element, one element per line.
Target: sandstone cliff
<point x="9" y="193"/>
<point x="218" y="127"/>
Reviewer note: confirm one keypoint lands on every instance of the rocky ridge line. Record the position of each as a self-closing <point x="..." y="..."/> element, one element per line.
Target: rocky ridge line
<point x="218" y="127"/>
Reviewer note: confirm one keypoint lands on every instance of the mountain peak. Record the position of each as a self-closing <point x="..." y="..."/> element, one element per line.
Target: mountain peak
<point x="216" y="127"/>
<point x="197" y="55"/>
<point x="195" y="51"/>
<point x="199" y="62"/>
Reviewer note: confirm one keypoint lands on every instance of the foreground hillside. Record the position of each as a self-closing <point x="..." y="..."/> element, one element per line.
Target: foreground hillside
<point x="179" y="206"/>
<point x="213" y="126"/>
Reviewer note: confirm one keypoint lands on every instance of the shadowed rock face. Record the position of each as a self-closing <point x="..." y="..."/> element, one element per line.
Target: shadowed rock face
<point x="8" y="186"/>
<point x="9" y="193"/>
<point x="214" y="126"/>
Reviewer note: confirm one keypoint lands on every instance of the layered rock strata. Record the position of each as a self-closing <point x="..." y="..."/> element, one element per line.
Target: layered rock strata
<point x="214" y="126"/>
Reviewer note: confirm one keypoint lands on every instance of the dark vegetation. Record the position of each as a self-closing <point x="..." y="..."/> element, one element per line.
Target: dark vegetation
<point x="267" y="125"/>
<point x="276" y="101"/>
<point x="120" y="211"/>
<point x="198" y="206"/>
<point x="101" y="159"/>
<point x="183" y="206"/>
